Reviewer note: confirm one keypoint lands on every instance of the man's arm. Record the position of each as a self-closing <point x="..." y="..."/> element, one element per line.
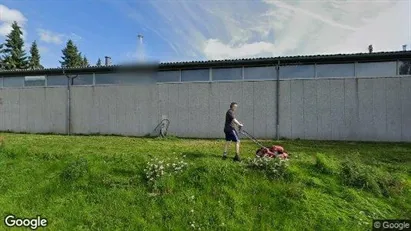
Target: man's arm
<point x="237" y="122"/>
<point x="231" y="114"/>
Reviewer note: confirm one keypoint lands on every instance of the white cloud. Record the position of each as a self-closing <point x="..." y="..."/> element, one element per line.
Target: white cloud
<point x="217" y="50"/>
<point x="227" y="29"/>
<point x="48" y="36"/>
<point x="7" y="17"/>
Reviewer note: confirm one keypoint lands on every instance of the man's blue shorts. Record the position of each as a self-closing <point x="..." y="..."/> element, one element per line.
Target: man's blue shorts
<point x="231" y="136"/>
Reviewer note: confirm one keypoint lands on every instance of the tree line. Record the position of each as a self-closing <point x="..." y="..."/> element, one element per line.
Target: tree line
<point x="13" y="56"/>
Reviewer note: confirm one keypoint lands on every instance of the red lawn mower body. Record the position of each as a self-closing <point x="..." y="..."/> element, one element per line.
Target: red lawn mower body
<point x="273" y="152"/>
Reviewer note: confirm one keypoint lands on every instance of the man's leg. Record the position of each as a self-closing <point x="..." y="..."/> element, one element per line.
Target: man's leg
<point x="237" y="151"/>
<point x="227" y="143"/>
<point x="237" y="147"/>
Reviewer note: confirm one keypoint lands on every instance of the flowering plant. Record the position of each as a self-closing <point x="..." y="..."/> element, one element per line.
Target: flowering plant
<point x="273" y="167"/>
<point x="157" y="168"/>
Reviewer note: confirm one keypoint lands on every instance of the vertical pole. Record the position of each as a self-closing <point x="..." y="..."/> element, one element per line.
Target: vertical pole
<point x="278" y="101"/>
<point x="70" y="80"/>
<point x="68" y="105"/>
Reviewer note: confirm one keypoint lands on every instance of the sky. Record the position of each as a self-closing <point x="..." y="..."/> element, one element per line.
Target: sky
<point x="191" y="30"/>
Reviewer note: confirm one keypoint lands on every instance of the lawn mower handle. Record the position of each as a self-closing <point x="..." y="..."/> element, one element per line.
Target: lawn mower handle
<point x="250" y="137"/>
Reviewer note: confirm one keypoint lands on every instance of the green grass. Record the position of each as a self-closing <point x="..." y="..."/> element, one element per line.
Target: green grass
<point x="98" y="183"/>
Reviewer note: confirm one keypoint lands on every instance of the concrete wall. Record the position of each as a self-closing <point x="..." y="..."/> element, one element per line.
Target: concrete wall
<point x="198" y="109"/>
<point x="373" y="109"/>
<point x="367" y="109"/>
<point x="121" y="110"/>
<point x="34" y="110"/>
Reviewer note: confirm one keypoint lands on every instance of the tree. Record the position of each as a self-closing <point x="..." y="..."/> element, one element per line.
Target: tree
<point x="85" y="62"/>
<point x="34" y="59"/>
<point x="1" y="56"/>
<point x="98" y="62"/>
<point x="14" y="56"/>
<point x="71" y="56"/>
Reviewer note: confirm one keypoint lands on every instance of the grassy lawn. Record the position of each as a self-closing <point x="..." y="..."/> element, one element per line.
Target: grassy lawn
<point x="100" y="183"/>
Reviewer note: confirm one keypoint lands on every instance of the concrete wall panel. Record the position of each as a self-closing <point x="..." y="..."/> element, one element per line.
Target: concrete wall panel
<point x="260" y="100"/>
<point x="324" y="129"/>
<point x="216" y="118"/>
<point x="271" y="110"/>
<point x="337" y="109"/>
<point x="297" y="109"/>
<point x="350" y="109"/>
<point x="366" y="121"/>
<point x="393" y="101"/>
<point x="406" y="109"/>
<point x="285" y="110"/>
<point x="173" y="111"/>
<point x="56" y="109"/>
<point x="379" y="109"/>
<point x="183" y="108"/>
<point x="112" y="109"/>
<point x="81" y="100"/>
<point x="101" y="95"/>
<point x="26" y="101"/>
<point x="198" y="109"/>
<point x="2" y="109"/>
<point x="247" y="106"/>
<point x="163" y="99"/>
<point x="310" y="109"/>
<point x="11" y="102"/>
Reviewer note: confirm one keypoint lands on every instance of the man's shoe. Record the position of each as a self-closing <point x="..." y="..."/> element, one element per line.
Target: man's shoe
<point x="237" y="158"/>
<point x="224" y="156"/>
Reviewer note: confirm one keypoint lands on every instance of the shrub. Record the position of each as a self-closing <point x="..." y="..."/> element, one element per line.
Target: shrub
<point x="272" y="167"/>
<point x="358" y="176"/>
<point x="391" y="185"/>
<point x="75" y="170"/>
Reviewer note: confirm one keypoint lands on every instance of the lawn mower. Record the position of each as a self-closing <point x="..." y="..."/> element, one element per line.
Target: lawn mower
<point x="273" y="152"/>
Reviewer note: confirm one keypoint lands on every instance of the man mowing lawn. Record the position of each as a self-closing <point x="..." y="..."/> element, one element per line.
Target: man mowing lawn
<point x="230" y="132"/>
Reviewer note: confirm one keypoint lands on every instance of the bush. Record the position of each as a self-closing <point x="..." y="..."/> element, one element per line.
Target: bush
<point x="391" y="185"/>
<point x="358" y="176"/>
<point x="75" y="170"/>
<point x="273" y="167"/>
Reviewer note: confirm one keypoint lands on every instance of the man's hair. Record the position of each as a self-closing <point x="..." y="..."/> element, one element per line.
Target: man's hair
<point x="232" y="104"/>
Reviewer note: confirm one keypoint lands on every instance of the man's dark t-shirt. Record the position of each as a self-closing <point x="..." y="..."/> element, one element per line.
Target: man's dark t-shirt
<point x="229" y="123"/>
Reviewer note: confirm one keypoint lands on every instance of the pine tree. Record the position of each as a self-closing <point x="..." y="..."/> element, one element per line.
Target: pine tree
<point x="14" y="55"/>
<point x="34" y="59"/>
<point x="71" y="56"/>
<point x="98" y="62"/>
<point x="85" y="62"/>
<point x="1" y="56"/>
